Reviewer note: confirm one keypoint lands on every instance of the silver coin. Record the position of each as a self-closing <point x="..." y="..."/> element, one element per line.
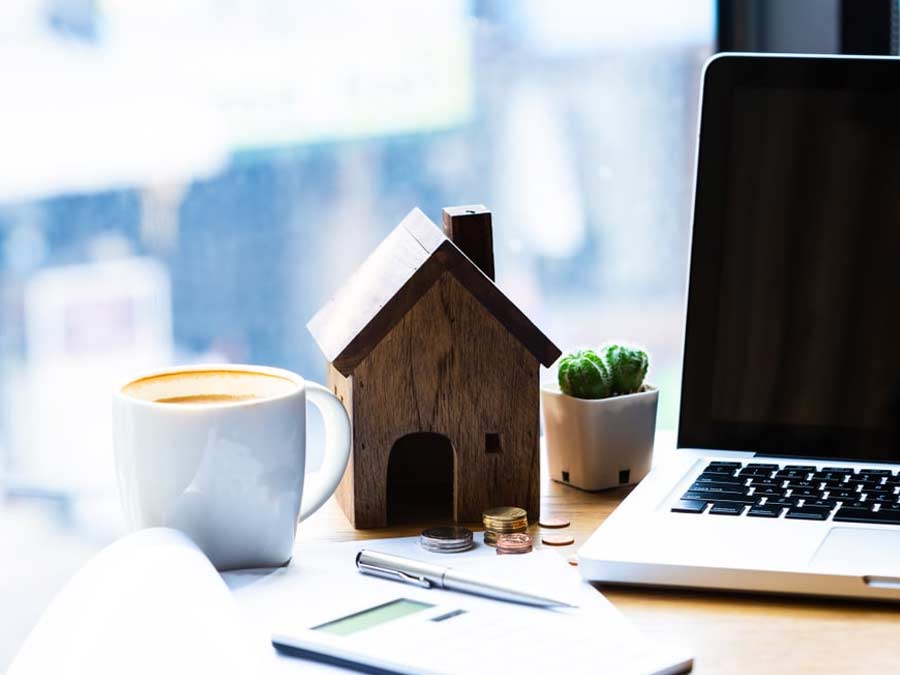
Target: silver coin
<point x="446" y="539"/>
<point x="445" y="544"/>
<point x="434" y="544"/>
<point x="447" y="535"/>
<point x="446" y="549"/>
<point x="425" y="543"/>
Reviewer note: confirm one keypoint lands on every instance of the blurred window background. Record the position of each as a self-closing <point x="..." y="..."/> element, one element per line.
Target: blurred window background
<point x="189" y="181"/>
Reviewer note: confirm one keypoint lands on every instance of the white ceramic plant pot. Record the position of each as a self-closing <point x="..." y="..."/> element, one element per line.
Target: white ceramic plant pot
<point x="602" y="443"/>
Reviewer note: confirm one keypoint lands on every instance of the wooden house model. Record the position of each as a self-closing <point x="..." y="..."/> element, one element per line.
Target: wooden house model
<point x="438" y="371"/>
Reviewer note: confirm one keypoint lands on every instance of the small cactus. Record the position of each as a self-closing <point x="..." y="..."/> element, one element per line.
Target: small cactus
<point x="627" y="367"/>
<point x="585" y="374"/>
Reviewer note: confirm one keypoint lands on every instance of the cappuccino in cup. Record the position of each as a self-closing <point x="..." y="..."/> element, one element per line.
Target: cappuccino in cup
<point x="219" y="452"/>
<point x="208" y="387"/>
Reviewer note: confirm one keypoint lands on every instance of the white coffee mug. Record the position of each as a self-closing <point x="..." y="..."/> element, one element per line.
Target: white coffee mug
<point x="219" y="452"/>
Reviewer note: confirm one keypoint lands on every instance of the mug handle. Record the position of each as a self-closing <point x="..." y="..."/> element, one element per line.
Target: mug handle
<point x="319" y="485"/>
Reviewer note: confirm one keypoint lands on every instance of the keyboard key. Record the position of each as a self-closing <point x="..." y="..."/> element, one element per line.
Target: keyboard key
<point x="827" y="478"/>
<point x="765" y="482"/>
<point x="799" y="467"/>
<point x="689" y="506"/>
<point x="791" y="475"/>
<point x="845" y="515"/>
<point x="771" y="494"/>
<point x="831" y="485"/>
<point x="768" y="467"/>
<point x="733" y="465"/>
<point x="834" y="471"/>
<point x="875" y="472"/>
<point x="727" y="471"/>
<point x="754" y="473"/>
<point x="820" y="503"/>
<point x="717" y="488"/>
<point x="889" y="508"/>
<point x="718" y="478"/>
<point x="808" y="484"/>
<point x="780" y="503"/>
<point x="800" y="492"/>
<point x="843" y="495"/>
<point x="726" y="509"/>
<point x="764" y="511"/>
<point x="804" y="513"/>
<point x="728" y="497"/>
<point x="721" y="485"/>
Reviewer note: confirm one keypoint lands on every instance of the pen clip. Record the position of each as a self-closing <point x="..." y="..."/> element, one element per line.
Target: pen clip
<point x="394" y="575"/>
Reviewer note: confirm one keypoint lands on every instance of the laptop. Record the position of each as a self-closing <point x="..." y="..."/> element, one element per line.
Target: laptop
<point x="787" y="469"/>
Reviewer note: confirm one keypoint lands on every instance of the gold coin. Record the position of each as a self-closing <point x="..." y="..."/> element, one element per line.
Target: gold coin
<point x="553" y="523"/>
<point x="494" y="519"/>
<point x="507" y="527"/>
<point x="557" y="539"/>
<point x="505" y="513"/>
<point x="505" y="523"/>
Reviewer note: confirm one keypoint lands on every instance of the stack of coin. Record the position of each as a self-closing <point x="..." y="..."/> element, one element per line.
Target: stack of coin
<point x="451" y="539"/>
<point x="513" y="543"/>
<point x="503" y="520"/>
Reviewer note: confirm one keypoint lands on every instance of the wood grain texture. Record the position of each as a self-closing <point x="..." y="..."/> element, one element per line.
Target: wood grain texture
<point x="501" y="307"/>
<point x="376" y="296"/>
<point x="448" y="367"/>
<point x="343" y="389"/>
<point x="470" y="229"/>
<point x="392" y="280"/>
<point x="727" y="632"/>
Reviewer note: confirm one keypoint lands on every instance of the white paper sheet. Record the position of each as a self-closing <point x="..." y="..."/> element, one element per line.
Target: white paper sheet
<point x="153" y="603"/>
<point x="594" y="638"/>
<point x="149" y="603"/>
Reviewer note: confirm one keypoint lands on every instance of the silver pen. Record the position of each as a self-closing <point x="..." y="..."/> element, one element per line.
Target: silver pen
<point x="428" y="575"/>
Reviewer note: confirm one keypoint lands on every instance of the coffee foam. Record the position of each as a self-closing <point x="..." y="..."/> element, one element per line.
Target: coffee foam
<point x="218" y="386"/>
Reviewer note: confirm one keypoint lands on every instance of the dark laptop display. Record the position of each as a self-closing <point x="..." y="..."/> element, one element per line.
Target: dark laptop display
<point x="793" y="326"/>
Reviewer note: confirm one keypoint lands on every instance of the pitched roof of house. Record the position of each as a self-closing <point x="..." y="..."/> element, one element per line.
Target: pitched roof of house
<point x="390" y="282"/>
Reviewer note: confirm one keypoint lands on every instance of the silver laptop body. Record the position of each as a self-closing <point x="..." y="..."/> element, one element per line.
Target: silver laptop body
<point x="785" y="478"/>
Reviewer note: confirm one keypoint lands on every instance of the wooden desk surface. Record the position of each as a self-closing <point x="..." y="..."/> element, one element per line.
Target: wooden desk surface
<point x="727" y="633"/>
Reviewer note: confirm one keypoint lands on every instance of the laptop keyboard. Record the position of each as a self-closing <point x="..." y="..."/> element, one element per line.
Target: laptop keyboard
<point x="795" y="491"/>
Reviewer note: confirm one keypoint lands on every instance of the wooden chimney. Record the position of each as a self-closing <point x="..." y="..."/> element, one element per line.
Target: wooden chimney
<point x="469" y="227"/>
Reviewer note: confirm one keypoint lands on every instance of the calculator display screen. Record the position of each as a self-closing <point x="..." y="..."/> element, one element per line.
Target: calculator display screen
<point x="374" y="616"/>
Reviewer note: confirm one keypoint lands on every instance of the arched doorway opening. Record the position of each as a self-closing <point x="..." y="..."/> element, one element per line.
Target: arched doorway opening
<point x="421" y="480"/>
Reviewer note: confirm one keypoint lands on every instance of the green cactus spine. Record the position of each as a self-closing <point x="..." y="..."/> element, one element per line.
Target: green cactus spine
<point x="583" y="374"/>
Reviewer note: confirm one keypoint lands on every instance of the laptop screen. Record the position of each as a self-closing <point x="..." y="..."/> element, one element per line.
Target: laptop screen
<point x="793" y="334"/>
